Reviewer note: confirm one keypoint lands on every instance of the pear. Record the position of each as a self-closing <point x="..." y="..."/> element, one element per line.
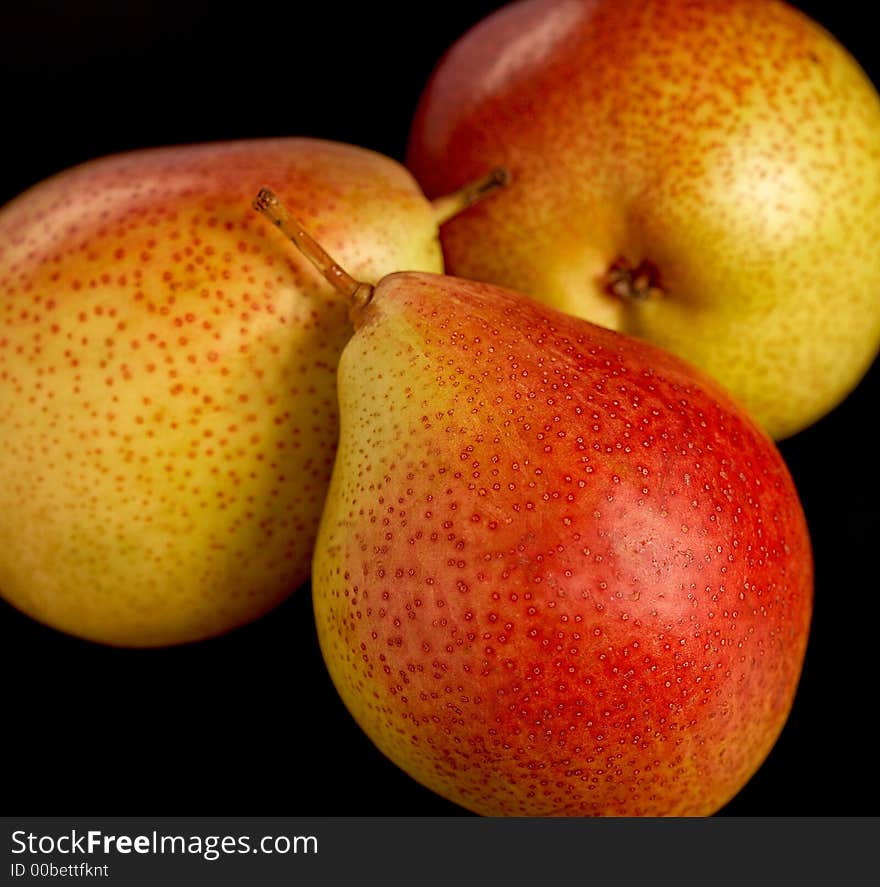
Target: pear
<point x="559" y="571"/>
<point x="168" y="384"/>
<point x="701" y="174"/>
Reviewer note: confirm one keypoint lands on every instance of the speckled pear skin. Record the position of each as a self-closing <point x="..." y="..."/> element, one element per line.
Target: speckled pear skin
<point x="559" y="571"/>
<point x="168" y="415"/>
<point x="732" y="144"/>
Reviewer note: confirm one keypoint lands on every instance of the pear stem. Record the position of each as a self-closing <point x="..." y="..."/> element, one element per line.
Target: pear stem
<point x="357" y="292"/>
<point x="458" y="201"/>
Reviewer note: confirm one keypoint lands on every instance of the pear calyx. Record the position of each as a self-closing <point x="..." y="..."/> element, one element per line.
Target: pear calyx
<point x="632" y="282"/>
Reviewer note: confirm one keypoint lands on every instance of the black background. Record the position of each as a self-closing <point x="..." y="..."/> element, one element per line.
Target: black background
<point x="249" y="724"/>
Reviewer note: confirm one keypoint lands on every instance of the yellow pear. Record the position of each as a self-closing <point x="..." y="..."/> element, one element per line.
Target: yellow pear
<point x="168" y="385"/>
<point x="704" y="174"/>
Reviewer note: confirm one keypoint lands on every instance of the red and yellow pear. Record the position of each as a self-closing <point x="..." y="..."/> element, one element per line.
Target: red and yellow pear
<point x="559" y="571"/>
<point x="168" y="413"/>
<point x="703" y="174"/>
